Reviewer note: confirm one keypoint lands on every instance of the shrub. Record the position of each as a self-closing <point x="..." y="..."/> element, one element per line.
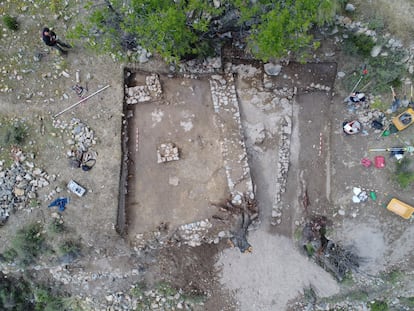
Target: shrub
<point x="46" y="301"/>
<point x="13" y="134"/>
<point x="407" y="301"/>
<point x="70" y="248"/>
<point x="403" y="174"/>
<point x="57" y="225"/>
<point x="379" y="306"/>
<point x="385" y="71"/>
<point x="28" y="243"/>
<point x="138" y="290"/>
<point x="9" y="255"/>
<point x="10" y="22"/>
<point x="359" y="44"/>
<point x="14" y="294"/>
<point x="166" y="289"/>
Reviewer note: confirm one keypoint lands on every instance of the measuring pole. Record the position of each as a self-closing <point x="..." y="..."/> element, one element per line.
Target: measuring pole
<point x="81" y="101"/>
<point x="356" y="85"/>
<point x="408" y="148"/>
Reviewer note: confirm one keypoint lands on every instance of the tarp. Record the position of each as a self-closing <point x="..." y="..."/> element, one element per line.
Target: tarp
<point x="60" y="202"/>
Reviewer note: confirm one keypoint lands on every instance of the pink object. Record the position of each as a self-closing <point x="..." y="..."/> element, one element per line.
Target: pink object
<point x="366" y="162"/>
<point x="379" y="162"/>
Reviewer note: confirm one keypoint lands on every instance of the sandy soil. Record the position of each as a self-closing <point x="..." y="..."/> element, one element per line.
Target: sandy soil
<point x="272" y="275"/>
<point x="192" y="183"/>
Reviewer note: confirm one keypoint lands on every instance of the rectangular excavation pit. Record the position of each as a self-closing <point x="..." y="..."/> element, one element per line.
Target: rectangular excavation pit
<point x="179" y="190"/>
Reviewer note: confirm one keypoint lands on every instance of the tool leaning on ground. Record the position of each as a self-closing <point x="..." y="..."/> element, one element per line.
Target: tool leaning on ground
<point x="396" y="102"/>
<point x="411" y="103"/>
<point x="394" y="149"/>
<point x="81" y="101"/>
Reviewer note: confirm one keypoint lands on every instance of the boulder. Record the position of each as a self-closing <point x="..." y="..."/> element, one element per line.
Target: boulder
<point x="376" y="50"/>
<point x="350" y="7"/>
<point x="272" y="69"/>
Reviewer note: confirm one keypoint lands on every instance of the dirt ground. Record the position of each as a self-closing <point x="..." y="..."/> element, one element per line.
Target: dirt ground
<point x="190" y="185"/>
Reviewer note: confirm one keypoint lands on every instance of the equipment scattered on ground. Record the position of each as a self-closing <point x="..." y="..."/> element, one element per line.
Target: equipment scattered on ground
<point x="351" y="127"/>
<point x="394" y="149"/>
<point x="404" y="120"/>
<point x="85" y="160"/>
<point x="364" y="72"/>
<point x="60" y="203"/>
<point x="357" y="97"/>
<point x="366" y="162"/>
<point x="359" y="195"/>
<point x="396" y="103"/>
<point x="405" y="101"/>
<point x="80" y="90"/>
<point x="379" y="162"/>
<point x="81" y="101"/>
<point x="400" y="208"/>
<point x="76" y="188"/>
<point x="376" y="124"/>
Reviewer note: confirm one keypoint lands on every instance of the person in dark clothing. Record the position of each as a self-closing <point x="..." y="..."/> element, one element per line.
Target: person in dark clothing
<point x="50" y="39"/>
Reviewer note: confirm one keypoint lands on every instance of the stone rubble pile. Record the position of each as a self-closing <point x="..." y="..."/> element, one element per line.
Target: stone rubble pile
<point x="193" y="234"/>
<point x="208" y="65"/>
<point x="142" y="55"/>
<point x="143" y="93"/>
<point x="148" y="300"/>
<point x="81" y="136"/>
<point x="161" y="298"/>
<point x="318" y="87"/>
<point x="233" y="146"/>
<point x="154" y="84"/>
<point x="366" y="117"/>
<point x="167" y="152"/>
<point x="137" y="94"/>
<point x="81" y="278"/>
<point x="282" y="170"/>
<point x="365" y="114"/>
<point x="19" y="184"/>
<point x="390" y="43"/>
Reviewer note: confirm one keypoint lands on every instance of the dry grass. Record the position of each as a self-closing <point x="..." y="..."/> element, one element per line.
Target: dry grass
<point x="397" y="15"/>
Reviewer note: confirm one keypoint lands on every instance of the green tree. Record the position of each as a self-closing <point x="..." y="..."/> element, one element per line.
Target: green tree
<point x="179" y="28"/>
<point x="27" y="244"/>
<point x="285" y="28"/>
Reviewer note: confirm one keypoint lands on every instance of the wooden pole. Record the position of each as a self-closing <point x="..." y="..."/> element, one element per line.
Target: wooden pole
<point x="81" y="101"/>
<point x="356" y="85"/>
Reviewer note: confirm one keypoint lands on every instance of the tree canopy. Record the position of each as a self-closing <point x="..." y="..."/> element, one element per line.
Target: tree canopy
<point x="176" y="29"/>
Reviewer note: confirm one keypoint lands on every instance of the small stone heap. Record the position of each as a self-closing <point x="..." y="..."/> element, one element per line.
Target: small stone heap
<point x="167" y="152"/>
<point x="154" y="84"/>
<point x="318" y="87"/>
<point x="194" y="234"/>
<point x="143" y="93"/>
<point x="19" y="184"/>
<point x="199" y="66"/>
<point x="163" y="297"/>
<point x="81" y="136"/>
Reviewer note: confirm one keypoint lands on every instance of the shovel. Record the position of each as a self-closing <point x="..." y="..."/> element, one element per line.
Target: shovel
<point x="396" y="101"/>
<point x="405" y="101"/>
<point x="411" y="103"/>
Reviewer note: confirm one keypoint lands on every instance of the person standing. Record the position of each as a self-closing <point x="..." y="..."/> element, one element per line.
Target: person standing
<point x="50" y="39"/>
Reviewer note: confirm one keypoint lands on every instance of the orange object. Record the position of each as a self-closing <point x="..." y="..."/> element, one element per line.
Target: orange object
<point x="404" y="120"/>
<point x="400" y="208"/>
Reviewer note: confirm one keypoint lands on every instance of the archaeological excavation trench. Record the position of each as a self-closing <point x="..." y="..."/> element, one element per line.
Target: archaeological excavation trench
<point x="182" y="151"/>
